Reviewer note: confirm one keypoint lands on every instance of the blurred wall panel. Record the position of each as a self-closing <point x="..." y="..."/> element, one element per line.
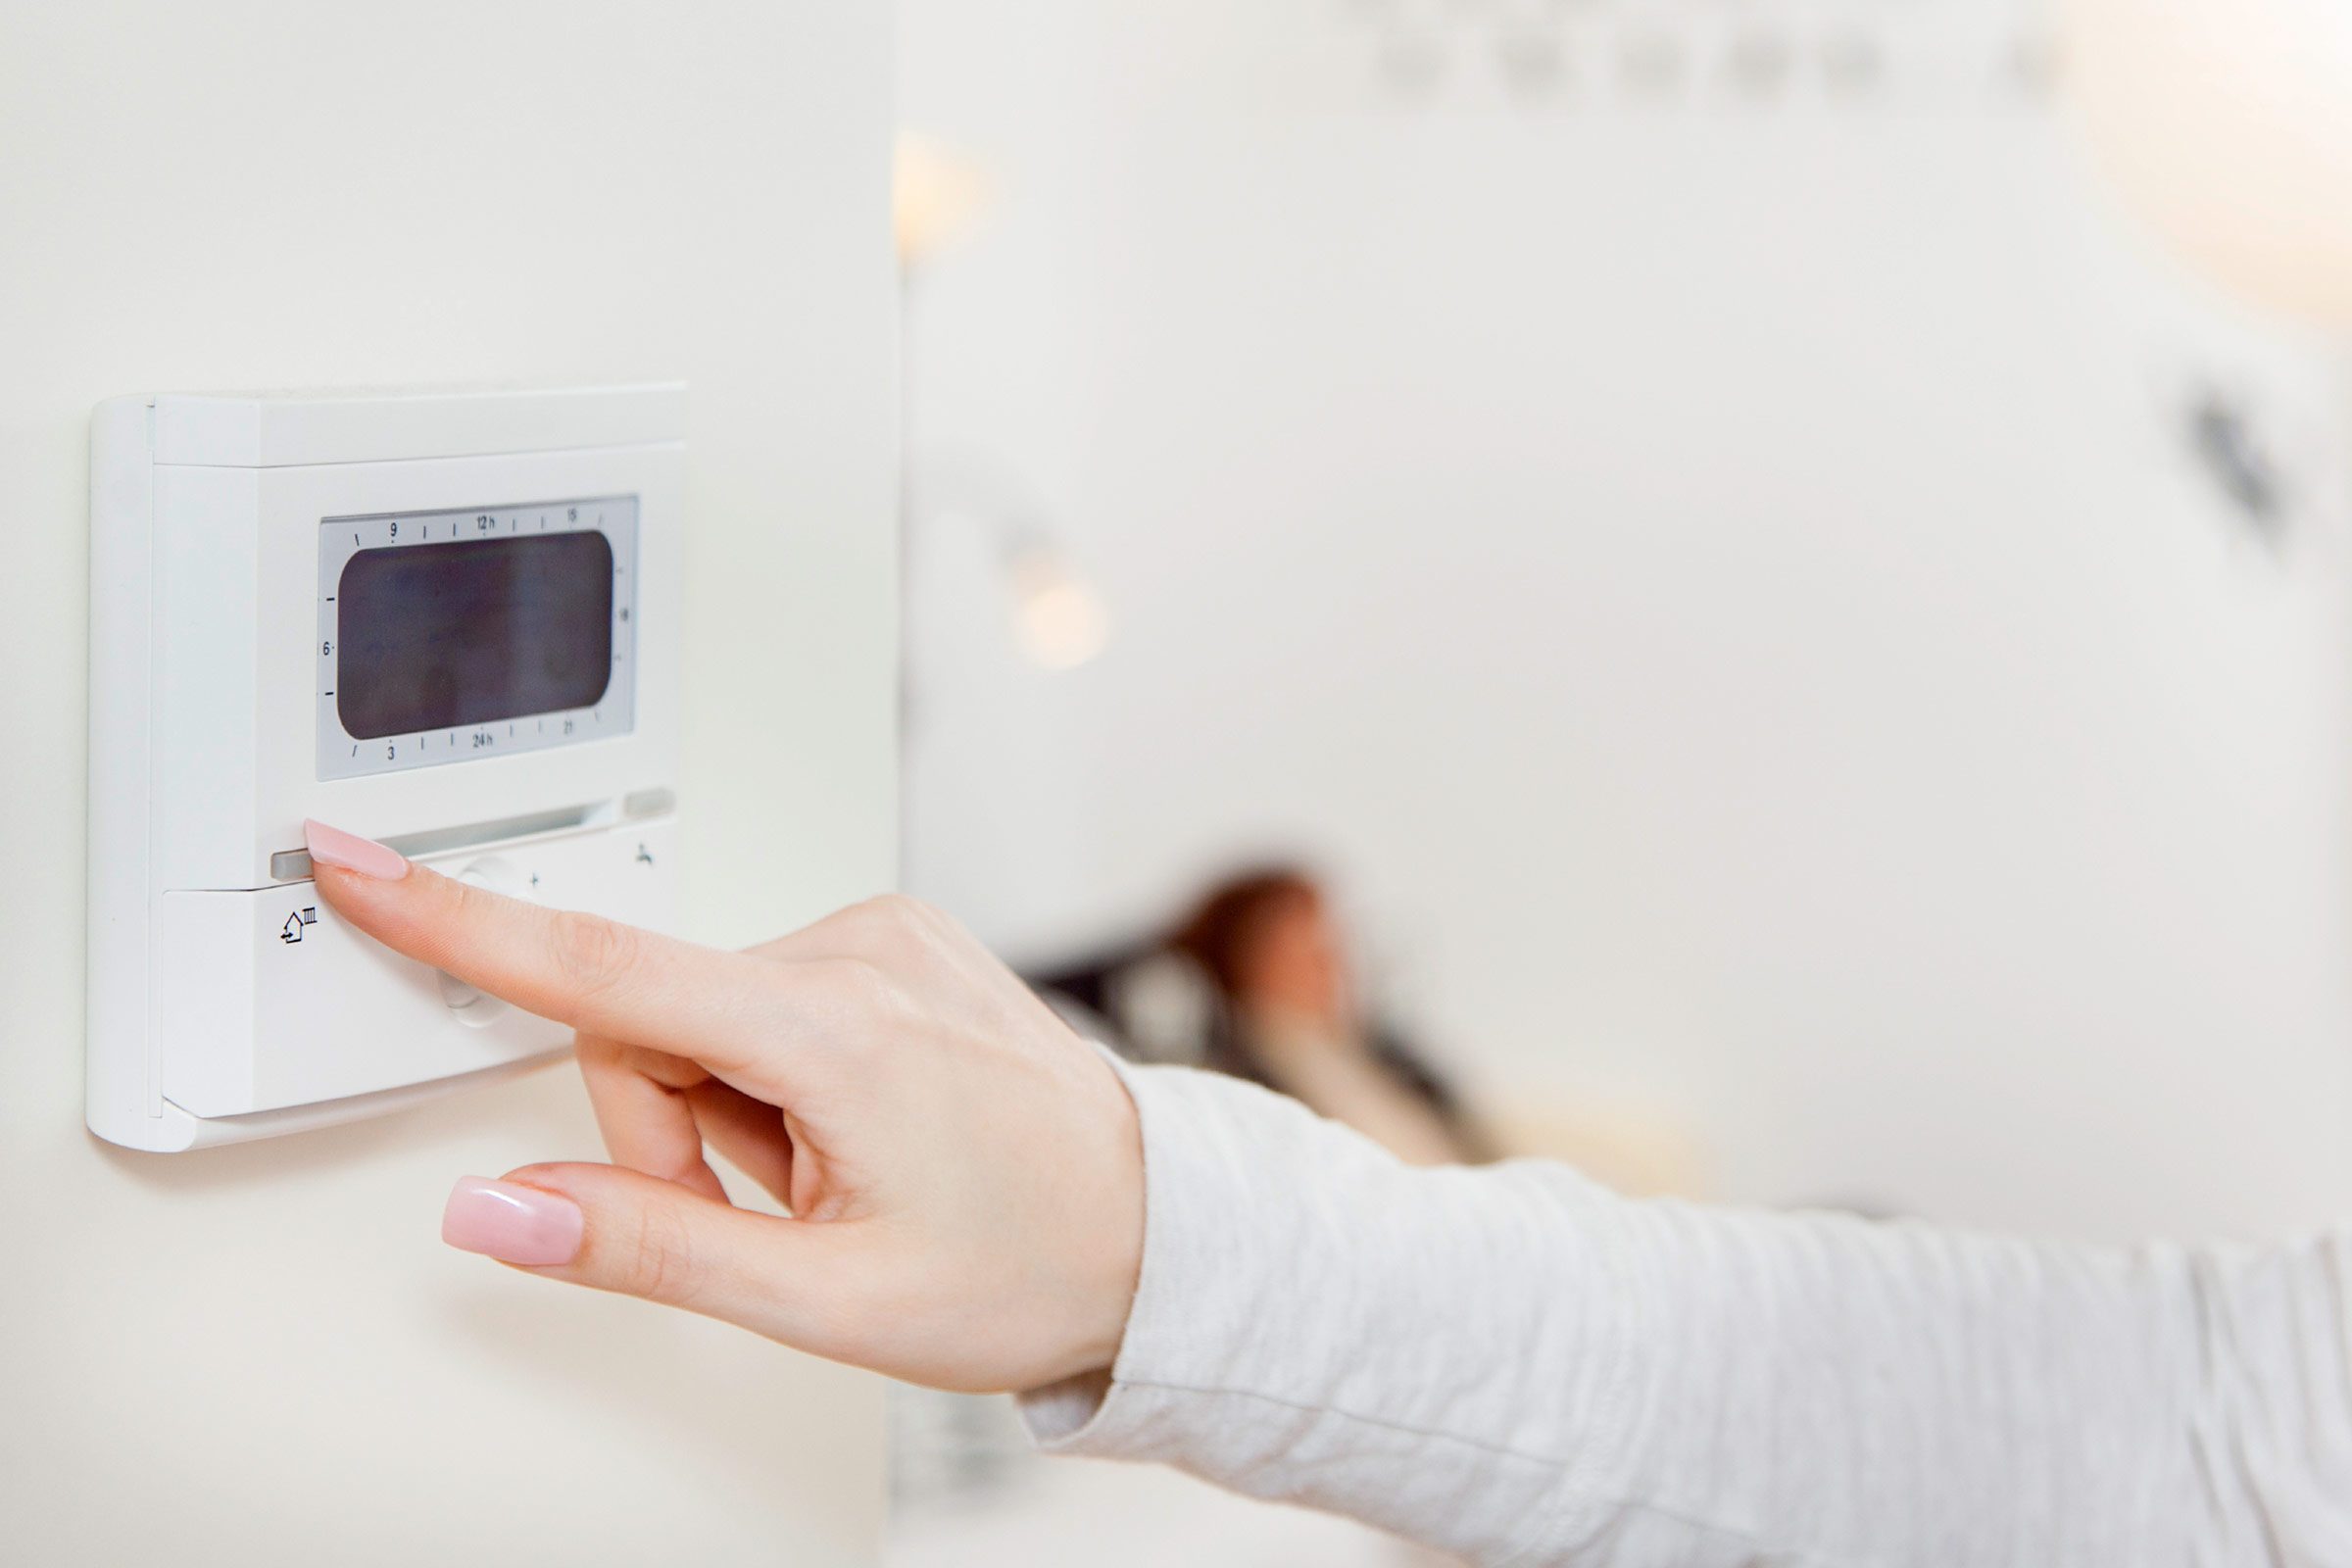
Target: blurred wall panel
<point x="1736" y="569"/>
<point x="262" y="1354"/>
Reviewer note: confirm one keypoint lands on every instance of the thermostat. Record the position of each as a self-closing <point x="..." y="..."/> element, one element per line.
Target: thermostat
<point x="447" y="620"/>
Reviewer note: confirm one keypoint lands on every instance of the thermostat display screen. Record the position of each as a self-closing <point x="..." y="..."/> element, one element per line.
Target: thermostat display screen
<point x="462" y="634"/>
<point x="448" y="636"/>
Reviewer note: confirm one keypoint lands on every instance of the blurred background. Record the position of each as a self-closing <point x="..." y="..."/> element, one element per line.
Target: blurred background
<point x="1748" y="621"/>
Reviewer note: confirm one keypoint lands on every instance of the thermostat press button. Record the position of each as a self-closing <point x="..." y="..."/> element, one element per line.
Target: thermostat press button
<point x="466" y="1002"/>
<point x="470" y="1004"/>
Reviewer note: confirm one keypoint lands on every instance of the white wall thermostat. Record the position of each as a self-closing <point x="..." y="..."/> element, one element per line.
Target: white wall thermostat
<point x="445" y="621"/>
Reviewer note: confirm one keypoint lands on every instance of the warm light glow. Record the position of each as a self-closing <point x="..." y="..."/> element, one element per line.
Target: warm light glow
<point x="1058" y="618"/>
<point x="935" y="193"/>
<point x="2228" y="125"/>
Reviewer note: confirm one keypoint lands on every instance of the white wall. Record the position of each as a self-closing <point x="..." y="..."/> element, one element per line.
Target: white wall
<point x="1712" y="578"/>
<point x="264" y="1354"/>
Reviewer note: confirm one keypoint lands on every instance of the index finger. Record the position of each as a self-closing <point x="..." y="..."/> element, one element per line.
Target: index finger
<point x="598" y="976"/>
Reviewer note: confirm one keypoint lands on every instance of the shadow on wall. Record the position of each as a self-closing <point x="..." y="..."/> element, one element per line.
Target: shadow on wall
<point x="518" y="1332"/>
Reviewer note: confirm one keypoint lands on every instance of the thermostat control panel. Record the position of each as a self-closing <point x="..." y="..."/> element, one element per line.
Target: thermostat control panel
<point x="445" y="621"/>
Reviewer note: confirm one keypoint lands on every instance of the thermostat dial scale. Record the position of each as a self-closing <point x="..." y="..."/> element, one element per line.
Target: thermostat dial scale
<point x="398" y="635"/>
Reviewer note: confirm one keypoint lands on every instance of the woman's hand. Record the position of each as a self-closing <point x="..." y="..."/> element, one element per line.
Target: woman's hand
<point x="964" y="1174"/>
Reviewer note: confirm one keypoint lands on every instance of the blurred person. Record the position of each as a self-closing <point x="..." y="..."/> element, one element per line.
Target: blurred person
<point x="1510" y="1363"/>
<point x="1253" y="981"/>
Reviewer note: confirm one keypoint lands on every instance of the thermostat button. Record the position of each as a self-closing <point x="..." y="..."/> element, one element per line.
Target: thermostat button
<point x="470" y="1004"/>
<point x="499" y="875"/>
<point x="466" y="1000"/>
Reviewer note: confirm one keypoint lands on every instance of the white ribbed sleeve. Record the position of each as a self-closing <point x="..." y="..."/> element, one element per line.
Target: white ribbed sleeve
<point x="1515" y="1365"/>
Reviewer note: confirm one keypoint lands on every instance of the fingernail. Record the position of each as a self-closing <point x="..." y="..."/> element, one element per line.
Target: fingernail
<point x="331" y="846"/>
<point x="513" y="1224"/>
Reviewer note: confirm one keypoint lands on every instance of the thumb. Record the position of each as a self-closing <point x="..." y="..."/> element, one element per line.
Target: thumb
<point x="624" y="1231"/>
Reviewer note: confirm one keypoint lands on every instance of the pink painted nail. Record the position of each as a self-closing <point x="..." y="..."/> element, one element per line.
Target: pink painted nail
<point x="331" y="846"/>
<point x="513" y="1224"/>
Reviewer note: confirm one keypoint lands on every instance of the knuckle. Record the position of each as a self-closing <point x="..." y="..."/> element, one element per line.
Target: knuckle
<point x="897" y="926"/>
<point x="860" y="989"/>
<point x="928" y="918"/>
<point x="470" y="906"/>
<point x="592" y="954"/>
<point x="660" y="1263"/>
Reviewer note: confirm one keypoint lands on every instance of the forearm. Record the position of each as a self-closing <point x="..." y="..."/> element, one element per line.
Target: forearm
<point x="1518" y="1366"/>
<point x="1280" y="1339"/>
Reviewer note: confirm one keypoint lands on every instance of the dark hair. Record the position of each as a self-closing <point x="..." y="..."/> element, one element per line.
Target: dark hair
<point x="1219" y="932"/>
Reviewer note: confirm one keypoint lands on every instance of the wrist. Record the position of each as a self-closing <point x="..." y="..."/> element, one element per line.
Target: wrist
<point x="1111" y="1260"/>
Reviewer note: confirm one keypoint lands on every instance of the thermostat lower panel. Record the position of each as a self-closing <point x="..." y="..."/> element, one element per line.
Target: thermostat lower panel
<point x="283" y="1005"/>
